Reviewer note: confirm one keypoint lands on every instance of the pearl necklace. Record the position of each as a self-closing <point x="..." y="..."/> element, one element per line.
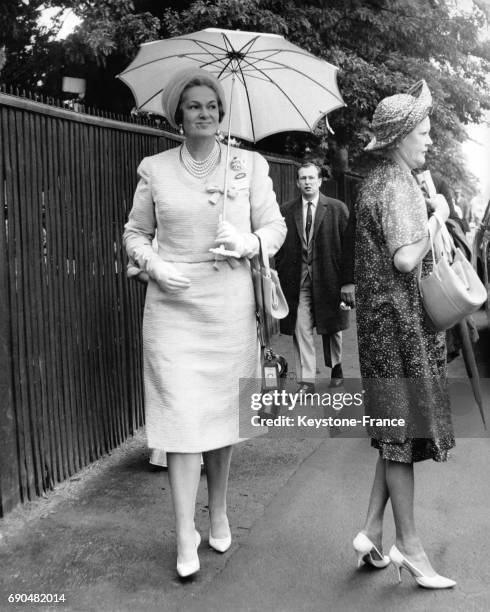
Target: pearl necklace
<point x="200" y="169"/>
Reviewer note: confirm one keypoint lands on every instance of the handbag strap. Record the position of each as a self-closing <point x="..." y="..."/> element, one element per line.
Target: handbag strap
<point x="261" y="264"/>
<point x="448" y="246"/>
<point x="261" y="260"/>
<point x="434" y="262"/>
<point x="264" y="257"/>
<point x="447" y="240"/>
<point x="266" y="273"/>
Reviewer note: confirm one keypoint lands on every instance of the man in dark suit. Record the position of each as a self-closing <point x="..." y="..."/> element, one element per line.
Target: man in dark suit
<point x="315" y="267"/>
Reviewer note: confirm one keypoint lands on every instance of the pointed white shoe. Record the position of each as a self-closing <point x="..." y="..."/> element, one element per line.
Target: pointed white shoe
<point x="220" y="544"/>
<point x="189" y="568"/>
<point x="364" y="549"/>
<point x="428" y="582"/>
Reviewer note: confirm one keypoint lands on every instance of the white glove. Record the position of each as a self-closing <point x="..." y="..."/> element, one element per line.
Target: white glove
<point x="167" y="277"/>
<point x="243" y="244"/>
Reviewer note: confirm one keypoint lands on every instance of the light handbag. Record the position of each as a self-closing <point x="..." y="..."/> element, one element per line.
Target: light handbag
<point x="452" y="290"/>
<point x="269" y="303"/>
<point x="267" y="286"/>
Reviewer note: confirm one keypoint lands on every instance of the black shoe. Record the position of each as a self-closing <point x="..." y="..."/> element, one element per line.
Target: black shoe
<point x="305" y="387"/>
<point x="337" y="379"/>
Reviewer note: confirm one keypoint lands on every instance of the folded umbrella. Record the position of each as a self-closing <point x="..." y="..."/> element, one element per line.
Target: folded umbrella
<point x="471" y="366"/>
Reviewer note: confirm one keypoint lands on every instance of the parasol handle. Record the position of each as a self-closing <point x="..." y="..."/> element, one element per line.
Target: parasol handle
<point x="227" y="166"/>
<point x="221" y="249"/>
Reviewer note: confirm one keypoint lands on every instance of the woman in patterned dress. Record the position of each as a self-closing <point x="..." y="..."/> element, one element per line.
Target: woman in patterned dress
<point x="403" y="361"/>
<point x="199" y="327"/>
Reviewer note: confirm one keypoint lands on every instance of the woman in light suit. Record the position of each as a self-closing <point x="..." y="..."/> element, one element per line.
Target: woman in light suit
<point x="199" y="327"/>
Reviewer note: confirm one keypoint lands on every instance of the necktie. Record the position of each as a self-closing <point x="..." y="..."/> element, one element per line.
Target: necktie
<point x="309" y="218"/>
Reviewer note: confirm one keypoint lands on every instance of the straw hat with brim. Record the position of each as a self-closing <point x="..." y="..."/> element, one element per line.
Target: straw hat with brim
<point x="396" y="116"/>
<point x="176" y="85"/>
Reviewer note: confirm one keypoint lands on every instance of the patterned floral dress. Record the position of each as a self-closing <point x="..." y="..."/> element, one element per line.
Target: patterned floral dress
<point x="403" y="361"/>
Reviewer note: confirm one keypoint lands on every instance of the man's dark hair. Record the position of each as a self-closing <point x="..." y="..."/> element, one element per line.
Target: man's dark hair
<point x="308" y="164"/>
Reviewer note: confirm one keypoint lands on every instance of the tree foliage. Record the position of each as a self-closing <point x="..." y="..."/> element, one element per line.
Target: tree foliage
<point x="26" y="47"/>
<point x="380" y="46"/>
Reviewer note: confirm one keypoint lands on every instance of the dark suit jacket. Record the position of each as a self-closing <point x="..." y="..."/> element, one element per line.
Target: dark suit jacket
<point x="332" y="262"/>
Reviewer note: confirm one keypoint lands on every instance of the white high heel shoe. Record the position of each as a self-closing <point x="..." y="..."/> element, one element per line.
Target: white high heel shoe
<point x="187" y="569"/>
<point x="364" y="549"/>
<point x="220" y="544"/>
<point x="428" y="582"/>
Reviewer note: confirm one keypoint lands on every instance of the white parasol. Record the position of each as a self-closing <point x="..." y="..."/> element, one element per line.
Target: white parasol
<point x="270" y="84"/>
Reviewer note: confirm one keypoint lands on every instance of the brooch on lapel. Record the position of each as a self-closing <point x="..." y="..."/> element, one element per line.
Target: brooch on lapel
<point x="237" y="164"/>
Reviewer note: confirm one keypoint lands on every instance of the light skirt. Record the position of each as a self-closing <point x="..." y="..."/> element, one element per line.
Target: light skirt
<point x="197" y="345"/>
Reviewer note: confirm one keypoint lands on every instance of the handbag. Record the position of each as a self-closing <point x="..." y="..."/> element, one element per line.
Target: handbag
<point x="270" y="303"/>
<point x="452" y="290"/>
<point x="267" y="287"/>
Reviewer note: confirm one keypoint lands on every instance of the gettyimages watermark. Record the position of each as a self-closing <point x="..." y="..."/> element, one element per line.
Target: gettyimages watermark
<point x="398" y="408"/>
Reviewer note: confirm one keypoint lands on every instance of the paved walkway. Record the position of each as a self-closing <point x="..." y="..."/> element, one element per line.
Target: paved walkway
<point x="105" y="538"/>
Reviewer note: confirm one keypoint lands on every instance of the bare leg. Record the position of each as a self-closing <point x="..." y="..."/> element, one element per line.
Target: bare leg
<point x="184" y="472"/>
<point x="217" y="465"/>
<point x="400" y="481"/>
<point x="373" y="527"/>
